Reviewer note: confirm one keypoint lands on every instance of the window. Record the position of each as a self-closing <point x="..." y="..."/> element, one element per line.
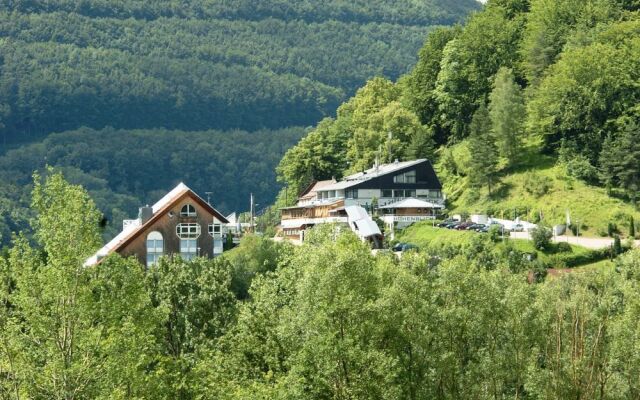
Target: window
<point x="155" y="248"/>
<point x="188" y="211"/>
<point x="188" y="231"/>
<point x="188" y="249"/>
<point x="218" y="247"/>
<point x="407" y="177"/>
<point x="351" y="193"/>
<point x="215" y="229"/>
<point x="387" y="193"/>
<point x="401" y="194"/>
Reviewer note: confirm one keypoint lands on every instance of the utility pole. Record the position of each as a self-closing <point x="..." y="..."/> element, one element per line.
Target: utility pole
<point x="252" y="213"/>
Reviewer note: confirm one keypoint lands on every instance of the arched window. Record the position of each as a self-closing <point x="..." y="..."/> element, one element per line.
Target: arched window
<point x="188" y="211"/>
<point x="155" y="248"/>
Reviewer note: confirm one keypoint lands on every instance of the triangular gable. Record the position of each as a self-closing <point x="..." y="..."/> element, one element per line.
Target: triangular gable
<point x="160" y="208"/>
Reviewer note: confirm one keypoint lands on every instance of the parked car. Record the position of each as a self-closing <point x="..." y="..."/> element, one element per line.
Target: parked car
<point x="446" y="222"/>
<point x="463" y="226"/>
<point x="453" y="225"/>
<point x="401" y="247"/>
<point x="475" y="227"/>
<point x="517" y="228"/>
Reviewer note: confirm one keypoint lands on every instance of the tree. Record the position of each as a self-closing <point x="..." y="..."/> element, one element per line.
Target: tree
<point x="199" y="307"/>
<point x="489" y="41"/>
<point x="583" y="94"/>
<point x="541" y="237"/>
<point x="619" y="159"/>
<point x="420" y="84"/>
<point x="507" y="112"/>
<point x="75" y="332"/>
<point x="483" y="164"/>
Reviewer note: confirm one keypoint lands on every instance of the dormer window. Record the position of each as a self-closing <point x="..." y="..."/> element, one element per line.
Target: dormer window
<point x="188" y="211"/>
<point x="407" y="177"/>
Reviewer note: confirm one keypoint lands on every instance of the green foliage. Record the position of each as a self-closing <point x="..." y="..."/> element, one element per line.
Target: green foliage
<point x="126" y="169"/>
<point x="72" y="331"/>
<point x="507" y="112"/>
<point x="256" y="255"/>
<point x="541" y="237"/>
<point x="495" y="233"/>
<point x="483" y="162"/>
<point x="200" y="64"/>
<point x="632" y="227"/>
<point x="619" y="160"/>
<point x="420" y="84"/>
<point x="489" y="41"/>
<point x="371" y="125"/>
<point x="536" y="185"/>
<point x="587" y="89"/>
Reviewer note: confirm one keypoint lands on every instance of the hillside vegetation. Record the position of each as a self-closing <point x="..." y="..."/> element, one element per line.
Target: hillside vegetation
<point x="124" y="169"/>
<point x="529" y="109"/>
<point x="198" y="65"/>
<point x="327" y="320"/>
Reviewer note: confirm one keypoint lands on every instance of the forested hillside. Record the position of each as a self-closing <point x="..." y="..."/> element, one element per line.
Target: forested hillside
<point x="132" y="70"/>
<point x="124" y="169"/>
<point x="523" y="87"/>
<point x="199" y="64"/>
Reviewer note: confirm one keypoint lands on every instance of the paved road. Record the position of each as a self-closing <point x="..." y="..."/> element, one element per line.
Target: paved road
<point x="590" y="243"/>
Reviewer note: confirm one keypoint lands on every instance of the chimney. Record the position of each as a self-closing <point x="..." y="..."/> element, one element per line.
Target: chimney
<point x="145" y="213"/>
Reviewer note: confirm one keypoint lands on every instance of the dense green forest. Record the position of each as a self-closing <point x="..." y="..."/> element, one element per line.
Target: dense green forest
<point x="327" y="320"/>
<point x="527" y="81"/>
<point x="120" y="67"/>
<point x="125" y="169"/>
<point x="197" y="65"/>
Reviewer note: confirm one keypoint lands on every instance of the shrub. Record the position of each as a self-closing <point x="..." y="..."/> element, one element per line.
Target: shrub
<point x="539" y="271"/>
<point x="579" y="167"/>
<point x="541" y="237"/>
<point x="564" y="247"/>
<point x="536" y="185"/>
<point x="617" y="245"/>
<point x="612" y="229"/>
<point x="495" y="233"/>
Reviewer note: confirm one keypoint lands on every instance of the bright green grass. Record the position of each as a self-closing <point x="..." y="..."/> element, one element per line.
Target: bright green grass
<point x="515" y="194"/>
<point x="424" y="235"/>
<point x="604" y="265"/>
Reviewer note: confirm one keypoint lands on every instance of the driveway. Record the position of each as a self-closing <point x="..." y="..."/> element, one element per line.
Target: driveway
<point x="589" y="243"/>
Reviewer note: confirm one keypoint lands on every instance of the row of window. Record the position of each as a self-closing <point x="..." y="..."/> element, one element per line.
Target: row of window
<point x="407" y="177"/>
<point x="188" y="234"/>
<point x="388" y="193"/>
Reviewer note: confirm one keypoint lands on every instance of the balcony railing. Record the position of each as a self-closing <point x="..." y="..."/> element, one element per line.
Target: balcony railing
<point x="407" y="218"/>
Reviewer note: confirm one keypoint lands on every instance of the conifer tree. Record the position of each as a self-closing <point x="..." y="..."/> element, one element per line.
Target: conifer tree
<point x="507" y="112"/>
<point x="483" y="165"/>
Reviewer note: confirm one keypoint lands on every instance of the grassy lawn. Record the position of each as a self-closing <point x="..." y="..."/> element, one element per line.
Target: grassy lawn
<point x="597" y="266"/>
<point x="424" y="235"/>
<point x="537" y="187"/>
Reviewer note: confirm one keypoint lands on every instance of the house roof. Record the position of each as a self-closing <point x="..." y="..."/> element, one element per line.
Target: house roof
<point x="411" y="203"/>
<point x="136" y="227"/>
<point x="371" y="173"/>
<point x="313" y="188"/>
